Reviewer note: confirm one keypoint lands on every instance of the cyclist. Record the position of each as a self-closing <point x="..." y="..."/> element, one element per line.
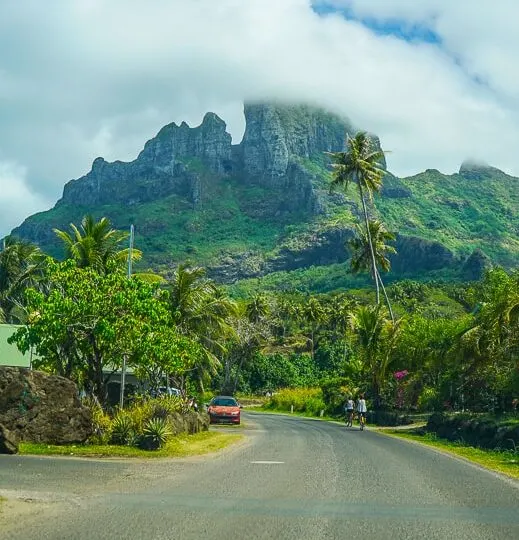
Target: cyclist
<point x="349" y="407"/>
<point x="362" y="410"/>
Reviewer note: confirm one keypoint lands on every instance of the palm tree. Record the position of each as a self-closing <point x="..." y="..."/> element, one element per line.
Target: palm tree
<point x="258" y="308"/>
<point x="487" y="350"/>
<point x="361" y="164"/>
<point x="200" y="310"/>
<point x="314" y="313"/>
<point x="21" y="265"/>
<point x="361" y="259"/>
<point x="96" y="244"/>
<point x="376" y="337"/>
<point x="341" y="308"/>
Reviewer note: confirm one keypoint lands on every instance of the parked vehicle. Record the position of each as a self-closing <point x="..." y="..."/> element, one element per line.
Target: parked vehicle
<point x="224" y="409"/>
<point x="166" y="391"/>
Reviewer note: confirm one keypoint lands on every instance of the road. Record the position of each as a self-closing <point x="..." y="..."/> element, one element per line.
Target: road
<point x="292" y="479"/>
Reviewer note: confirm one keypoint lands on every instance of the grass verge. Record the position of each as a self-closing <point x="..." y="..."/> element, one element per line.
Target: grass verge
<point x="505" y="462"/>
<point x="205" y="442"/>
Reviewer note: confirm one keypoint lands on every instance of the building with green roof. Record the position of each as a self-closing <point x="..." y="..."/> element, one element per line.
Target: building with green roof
<point x="9" y="354"/>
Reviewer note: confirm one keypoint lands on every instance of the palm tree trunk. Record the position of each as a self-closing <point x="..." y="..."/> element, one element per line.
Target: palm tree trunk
<point x="371" y="250"/>
<point x="389" y="307"/>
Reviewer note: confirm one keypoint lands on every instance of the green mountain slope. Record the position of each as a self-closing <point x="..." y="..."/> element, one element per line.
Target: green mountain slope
<point x="263" y="207"/>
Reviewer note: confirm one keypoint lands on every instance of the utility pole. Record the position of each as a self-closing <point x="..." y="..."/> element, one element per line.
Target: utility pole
<point x="123" y="371"/>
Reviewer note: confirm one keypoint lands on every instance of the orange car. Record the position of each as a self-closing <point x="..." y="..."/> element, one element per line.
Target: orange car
<point x="224" y="409"/>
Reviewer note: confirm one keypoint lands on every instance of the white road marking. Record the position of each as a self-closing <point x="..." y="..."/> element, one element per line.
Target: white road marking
<point x="268" y="462"/>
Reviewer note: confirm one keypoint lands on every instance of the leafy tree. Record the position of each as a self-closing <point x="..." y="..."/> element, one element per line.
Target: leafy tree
<point x="362" y="165"/>
<point x="96" y="245"/>
<point x="83" y="325"/>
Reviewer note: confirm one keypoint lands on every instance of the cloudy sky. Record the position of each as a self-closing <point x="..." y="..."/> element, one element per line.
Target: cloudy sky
<point x="436" y="79"/>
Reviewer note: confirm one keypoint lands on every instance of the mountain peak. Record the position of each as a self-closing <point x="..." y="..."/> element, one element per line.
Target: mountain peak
<point x="472" y="168"/>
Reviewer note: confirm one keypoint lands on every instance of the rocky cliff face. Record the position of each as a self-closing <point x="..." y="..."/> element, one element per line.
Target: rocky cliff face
<point x="162" y="168"/>
<point x="277" y="136"/>
<point x="263" y="205"/>
<point x="277" y="141"/>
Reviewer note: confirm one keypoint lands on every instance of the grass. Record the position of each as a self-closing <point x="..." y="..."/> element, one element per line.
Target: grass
<point x="180" y="446"/>
<point x="505" y="462"/>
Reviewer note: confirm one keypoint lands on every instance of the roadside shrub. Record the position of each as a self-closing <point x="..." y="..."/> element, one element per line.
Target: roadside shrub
<point x="155" y="434"/>
<point x="146" y="423"/>
<point x="429" y="400"/>
<point x="144" y="409"/>
<point x="308" y="400"/>
<point x="483" y="431"/>
<point x="389" y="418"/>
<point x="164" y="406"/>
<point x="101" y="421"/>
<point x="123" y="430"/>
<point x="335" y="393"/>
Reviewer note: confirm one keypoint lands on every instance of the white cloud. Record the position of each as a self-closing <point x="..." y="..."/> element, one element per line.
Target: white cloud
<point x="15" y="194"/>
<point x="99" y="77"/>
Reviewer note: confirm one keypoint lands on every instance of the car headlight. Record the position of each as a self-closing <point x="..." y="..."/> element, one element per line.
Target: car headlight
<point x="235" y="413"/>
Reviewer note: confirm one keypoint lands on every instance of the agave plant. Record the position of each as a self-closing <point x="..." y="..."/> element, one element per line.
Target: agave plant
<point x="155" y="433"/>
<point x="122" y="430"/>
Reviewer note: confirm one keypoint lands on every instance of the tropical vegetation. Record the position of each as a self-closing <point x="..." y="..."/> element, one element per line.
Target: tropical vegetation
<point x="430" y="346"/>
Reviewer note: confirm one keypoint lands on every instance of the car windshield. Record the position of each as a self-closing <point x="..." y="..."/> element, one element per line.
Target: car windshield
<point x="224" y="402"/>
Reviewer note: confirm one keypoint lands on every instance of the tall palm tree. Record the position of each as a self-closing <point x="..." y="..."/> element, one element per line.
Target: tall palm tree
<point x="361" y="164"/>
<point x="21" y="265"/>
<point x="315" y="314"/>
<point x="96" y="244"/>
<point x="340" y="310"/>
<point x="203" y="312"/>
<point x="361" y="259"/>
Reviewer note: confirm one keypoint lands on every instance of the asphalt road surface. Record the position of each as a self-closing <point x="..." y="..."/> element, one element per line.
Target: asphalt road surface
<point x="292" y="479"/>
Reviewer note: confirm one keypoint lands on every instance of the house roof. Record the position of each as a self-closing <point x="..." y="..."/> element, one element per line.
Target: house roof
<point x="9" y="354"/>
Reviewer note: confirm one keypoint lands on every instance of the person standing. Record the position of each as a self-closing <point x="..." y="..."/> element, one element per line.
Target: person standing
<point x="349" y="407"/>
<point x="361" y="411"/>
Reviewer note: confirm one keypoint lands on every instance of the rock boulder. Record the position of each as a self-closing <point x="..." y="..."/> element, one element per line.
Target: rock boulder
<point x="8" y="441"/>
<point x="41" y="408"/>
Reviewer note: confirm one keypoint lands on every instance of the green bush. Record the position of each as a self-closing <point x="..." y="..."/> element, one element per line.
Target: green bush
<point x="155" y="434"/>
<point x="484" y="431"/>
<point x="123" y="431"/>
<point x="429" y="399"/>
<point x="307" y="400"/>
<point x="145" y="423"/>
<point x="335" y="393"/>
<point x="101" y="421"/>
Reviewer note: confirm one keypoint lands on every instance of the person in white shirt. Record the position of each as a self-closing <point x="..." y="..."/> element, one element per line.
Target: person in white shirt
<point x="362" y="410"/>
<point x="349" y="407"/>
